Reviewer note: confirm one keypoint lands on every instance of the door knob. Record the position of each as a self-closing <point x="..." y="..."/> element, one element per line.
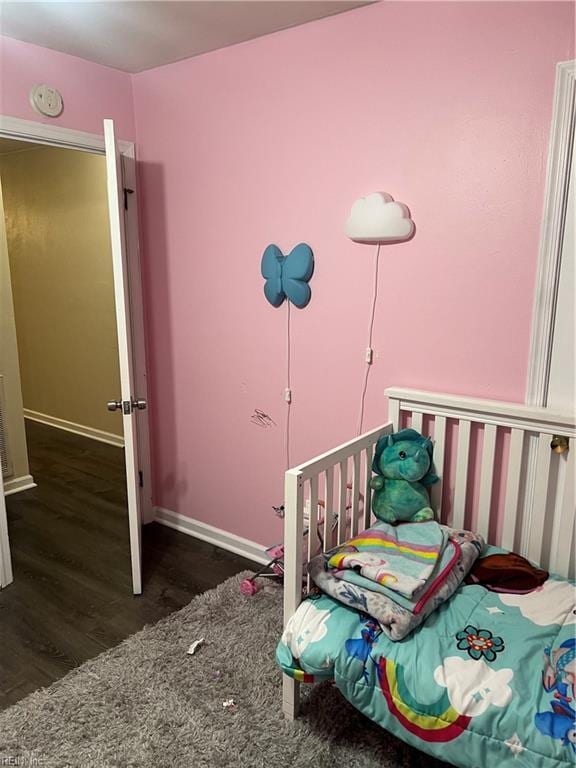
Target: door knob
<point x="559" y="444"/>
<point x="127" y="407"/>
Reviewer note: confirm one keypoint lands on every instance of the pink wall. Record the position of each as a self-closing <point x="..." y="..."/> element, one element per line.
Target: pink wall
<point x="90" y="92"/>
<point x="447" y="106"/>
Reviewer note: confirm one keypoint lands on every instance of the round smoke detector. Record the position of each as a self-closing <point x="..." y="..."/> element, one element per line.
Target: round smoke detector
<point x="46" y="100"/>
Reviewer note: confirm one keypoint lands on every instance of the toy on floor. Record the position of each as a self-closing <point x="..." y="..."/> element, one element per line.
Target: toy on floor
<point x="403" y="467"/>
<point x="275" y="567"/>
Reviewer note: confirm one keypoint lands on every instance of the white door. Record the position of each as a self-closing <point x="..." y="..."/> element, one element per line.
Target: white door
<point x="552" y="376"/>
<point x="127" y="403"/>
<point x="562" y="382"/>
<point x="5" y="561"/>
<point x="8" y="350"/>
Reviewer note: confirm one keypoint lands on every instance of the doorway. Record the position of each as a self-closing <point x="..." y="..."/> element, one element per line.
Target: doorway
<point x="122" y="242"/>
<point x="63" y="472"/>
<point x="60" y="265"/>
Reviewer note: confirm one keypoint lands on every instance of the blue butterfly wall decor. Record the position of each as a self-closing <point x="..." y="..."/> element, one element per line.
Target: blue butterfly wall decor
<point x="287" y="276"/>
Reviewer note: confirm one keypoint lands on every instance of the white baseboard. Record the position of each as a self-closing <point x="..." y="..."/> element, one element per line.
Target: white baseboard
<point x="18" y="484"/>
<point x="216" y="536"/>
<point x="77" y="429"/>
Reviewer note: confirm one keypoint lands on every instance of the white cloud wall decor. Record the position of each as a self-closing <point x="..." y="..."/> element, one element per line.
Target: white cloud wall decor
<point x="377" y="218"/>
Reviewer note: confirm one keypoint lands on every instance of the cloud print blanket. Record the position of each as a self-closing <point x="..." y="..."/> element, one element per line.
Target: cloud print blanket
<point x="488" y="680"/>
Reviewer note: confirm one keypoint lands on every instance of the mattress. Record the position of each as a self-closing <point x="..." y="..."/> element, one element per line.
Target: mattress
<point x="488" y="679"/>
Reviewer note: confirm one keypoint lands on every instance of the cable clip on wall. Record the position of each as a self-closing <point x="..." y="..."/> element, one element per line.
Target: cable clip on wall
<point x="377" y="219"/>
<point x="287" y="280"/>
<point x="374" y="220"/>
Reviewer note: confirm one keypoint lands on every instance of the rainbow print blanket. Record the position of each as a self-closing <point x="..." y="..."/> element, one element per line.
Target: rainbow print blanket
<point x="335" y="574"/>
<point x="487" y="681"/>
<point x="402" y="558"/>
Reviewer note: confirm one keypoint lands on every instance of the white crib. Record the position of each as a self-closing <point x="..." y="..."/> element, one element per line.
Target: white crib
<point x="498" y="476"/>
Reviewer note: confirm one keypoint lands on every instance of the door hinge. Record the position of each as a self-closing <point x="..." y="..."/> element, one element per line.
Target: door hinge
<point x="127" y="192"/>
<point x="140" y="478"/>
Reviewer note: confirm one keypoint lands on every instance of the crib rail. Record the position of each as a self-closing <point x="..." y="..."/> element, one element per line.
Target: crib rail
<point x="338" y="484"/>
<point x="497" y="472"/>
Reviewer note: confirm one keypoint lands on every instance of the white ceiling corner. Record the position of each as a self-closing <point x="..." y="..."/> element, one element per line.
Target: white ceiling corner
<point x="135" y="35"/>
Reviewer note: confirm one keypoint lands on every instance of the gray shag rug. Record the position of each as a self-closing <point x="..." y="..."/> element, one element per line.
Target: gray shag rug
<point x="147" y="703"/>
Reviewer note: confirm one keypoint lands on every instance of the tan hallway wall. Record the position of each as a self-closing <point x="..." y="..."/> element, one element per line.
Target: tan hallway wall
<point x="59" y="249"/>
<point x="9" y="369"/>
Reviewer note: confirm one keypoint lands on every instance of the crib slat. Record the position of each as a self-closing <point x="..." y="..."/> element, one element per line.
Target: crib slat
<point x="329" y="509"/>
<point x="462" y="461"/>
<point x="355" y="524"/>
<point x="417" y="420"/>
<point x="563" y="545"/>
<point x="342" y="502"/>
<point x="312" y="524"/>
<point x="486" y="478"/>
<point x="368" y="456"/>
<point x="313" y="541"/>
<point x="512" y="488"/>
<point x="394" y="413"/>
<point x="438" y="455"/>
<point x="540" y="497"/>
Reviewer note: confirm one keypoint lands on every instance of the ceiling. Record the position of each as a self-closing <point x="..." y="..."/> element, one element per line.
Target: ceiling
<point x="132" y="35"/>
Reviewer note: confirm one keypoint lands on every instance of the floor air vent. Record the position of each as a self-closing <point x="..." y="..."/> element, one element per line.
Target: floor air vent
<point x="7" y="470"/>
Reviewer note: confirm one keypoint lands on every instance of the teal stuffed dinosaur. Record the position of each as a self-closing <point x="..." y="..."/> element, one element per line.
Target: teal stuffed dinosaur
<point x="403" y="467"/>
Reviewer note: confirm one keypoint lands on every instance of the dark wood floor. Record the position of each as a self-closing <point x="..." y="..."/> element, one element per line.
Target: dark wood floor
<point x="71" y="597"/>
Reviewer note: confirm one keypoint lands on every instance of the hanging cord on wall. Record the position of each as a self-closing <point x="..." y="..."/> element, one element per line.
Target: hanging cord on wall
<point x="288" y="390"/>
<point x="369" y="351"/>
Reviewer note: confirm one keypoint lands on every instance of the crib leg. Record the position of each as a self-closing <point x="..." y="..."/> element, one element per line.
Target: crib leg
<point x="290" y="697"/>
